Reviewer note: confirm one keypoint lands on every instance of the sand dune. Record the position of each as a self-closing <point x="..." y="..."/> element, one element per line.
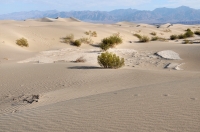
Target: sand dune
<point x="43" y="89"/>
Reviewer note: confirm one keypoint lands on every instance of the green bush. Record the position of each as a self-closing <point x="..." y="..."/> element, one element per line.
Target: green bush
<point x="22" y="42"/>
<point x="197" y="32"/>
<point x="77" y="43"/>
<point x="182" y="36"/>
<point x="188" y="30"/>
<point x="110" y="60"/>
<point x="173" y="37"/>
<point x="189" y="34"/>
<point x="110" y="42"/>
<point x="144" y="39"/>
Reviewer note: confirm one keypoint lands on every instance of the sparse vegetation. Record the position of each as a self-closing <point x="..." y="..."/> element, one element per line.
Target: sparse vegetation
<point x="68" y="39"/>
<point x="173" y="37"/>
<point x="187" y="41"/>
<point x="144" y="39"/>
<point x="181" y="36"/>
<point x="91" y="33"/>
<point x="153" y="33"/>
<point x="197" y="32"/>
<point x="167" y="30"/>
<point x="110" y="60"/>
<point x="189" y="33"/>
<point x="138" y="36"/>
<point x="111" y="41"/>
<point x="76" y="43"/>
<point x="154" y="38"/>
<point x="22" y="42"/>
<point x="86" y="40"/>
<point x="80" y="59"/>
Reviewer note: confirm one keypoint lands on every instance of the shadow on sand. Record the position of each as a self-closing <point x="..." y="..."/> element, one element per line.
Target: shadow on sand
<point x="84" y="67"/>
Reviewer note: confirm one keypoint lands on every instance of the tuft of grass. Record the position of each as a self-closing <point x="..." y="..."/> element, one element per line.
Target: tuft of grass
<point x="91" y="33"/>
<point x="22" y="42"/>
<point x="153" y="33"/>
<point x="189" y="33"/>
<point x="86" y="40"/>
<point x="154" y="38"/>
<point x="111" y="41"/>
<point x="110" y="60"/>
<point x="187" y="41"/>
<point x="182" y="36"/>
<point x="144" y="39"/>
<point x="80" y="59"/>
<point x="69" y="39"/>
<point x="197" y="32"/>
<point x="167" y="30"/>
<point x="173" y="37"/>
<point x="137" y="35"/>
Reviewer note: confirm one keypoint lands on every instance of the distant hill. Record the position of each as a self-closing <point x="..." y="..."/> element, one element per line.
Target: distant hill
<point x="183" y="14"/>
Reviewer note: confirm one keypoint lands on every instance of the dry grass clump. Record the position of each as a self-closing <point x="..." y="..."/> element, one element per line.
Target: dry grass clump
<point x="111" y="41"/>
<point x="76" y="43"/>
<point x="158" y="38"/>
<point x="187" y="41"/>
<point x="187" y="34"/>
<point x="91" y="33"/>
<point x="153" y="33"/>
<point x="110" y="60"/>
<point x="80" y="60"/>
<point x="86" y="40"/>
<point x="69" y="39"/>
<point x="167" y="30"/>
<point x="137" y="35"/>
<point x="144" y="39"/>
<point x="22" y="42"/>
<point x="197" y="32"/>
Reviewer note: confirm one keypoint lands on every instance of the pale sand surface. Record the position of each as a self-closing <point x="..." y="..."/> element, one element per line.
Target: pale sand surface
<point x="142" y="96"/>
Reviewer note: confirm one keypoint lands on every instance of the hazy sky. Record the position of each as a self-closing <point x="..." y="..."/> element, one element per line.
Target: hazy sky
<point x="8" y="6"/>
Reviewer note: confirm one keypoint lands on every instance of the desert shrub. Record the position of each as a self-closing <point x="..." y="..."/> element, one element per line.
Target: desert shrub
<point x="111" y="41"/>
<point x="76" y="43"/>
<point x="188" y="30"/>
<point x="110" y="60"/>
<point x="91" y="33"/>
<point x="167" y="30"/>
<point x="22" y="42"/>
<point x="86" y="40"/>
<point x="173" y="37"/>
<point x="154" y="38"/>
<point x="153" y="33"/>
<point x="69" y="39"/>
<point x="137" y="35"/>
<point x="189" y="33"/>
<point x="187" y="41"/>
<point x="197" y="32"/>
<point x="181" y="36"/>
<point x="144" y="39"/>
<point x="80" y="59"/>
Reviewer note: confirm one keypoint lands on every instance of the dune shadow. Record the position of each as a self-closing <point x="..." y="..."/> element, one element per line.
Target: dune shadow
<point x="84" y="67"/>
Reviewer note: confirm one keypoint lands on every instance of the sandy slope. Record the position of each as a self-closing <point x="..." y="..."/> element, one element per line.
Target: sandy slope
<point x="142" y="96"/>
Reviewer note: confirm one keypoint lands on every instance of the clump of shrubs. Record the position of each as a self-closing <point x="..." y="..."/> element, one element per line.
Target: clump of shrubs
<point x="187" y="41"/>
<point x="173" y="37"/>
<point x="110" y="60"/>
<point x="22" y="42"/>
<point x="187" y="34"/>
<point x="69" y="39"/>
<point x="91" y="33"/>
<point x="153" y="33"/>
<point x="158" y="38"/>
<point x="111" y="42"/>
<point x="76" y="43"/>
<point x="86" y="40"/>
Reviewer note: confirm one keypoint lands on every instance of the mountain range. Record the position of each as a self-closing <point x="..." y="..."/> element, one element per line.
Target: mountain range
<point x="182" y="14"/>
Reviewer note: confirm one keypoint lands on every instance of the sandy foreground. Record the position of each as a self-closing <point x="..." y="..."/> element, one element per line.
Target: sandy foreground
<point x="143" y="96"/>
